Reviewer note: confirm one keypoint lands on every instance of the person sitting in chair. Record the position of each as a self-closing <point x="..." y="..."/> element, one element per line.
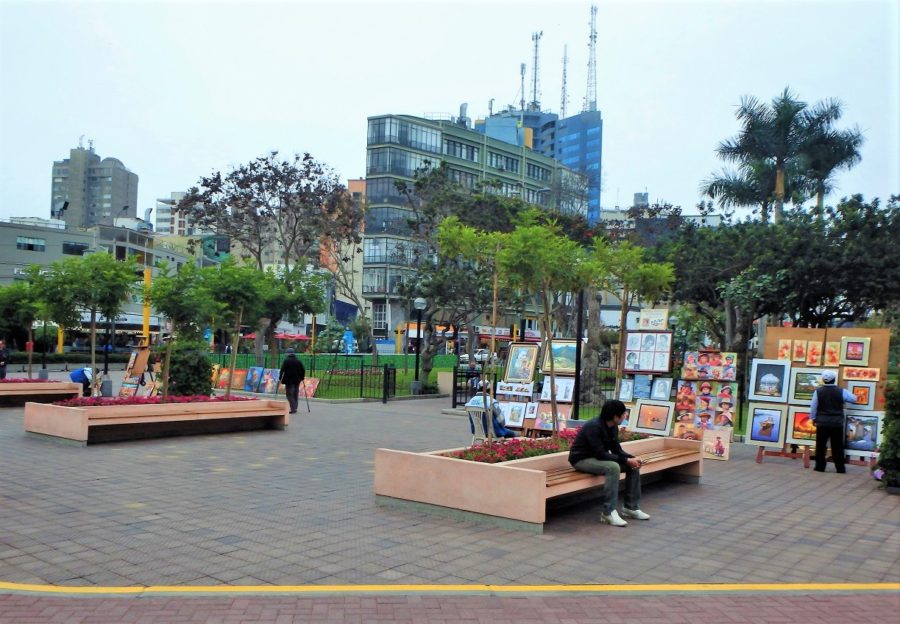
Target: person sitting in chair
<point x="497" y="420"/>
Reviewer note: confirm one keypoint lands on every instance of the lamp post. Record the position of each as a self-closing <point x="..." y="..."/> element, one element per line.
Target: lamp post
<point x="419" y="304"/>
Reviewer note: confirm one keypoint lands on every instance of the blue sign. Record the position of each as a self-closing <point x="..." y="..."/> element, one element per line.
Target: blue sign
<point x="207" y="334"/>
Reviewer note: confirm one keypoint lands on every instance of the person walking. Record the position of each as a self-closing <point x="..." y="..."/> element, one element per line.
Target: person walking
<point x="292" y="375"/>
<point x="826" y="410"/>
<point x="4" y="359"/>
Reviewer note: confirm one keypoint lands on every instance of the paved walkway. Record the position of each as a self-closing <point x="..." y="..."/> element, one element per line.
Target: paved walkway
<point x="294" y="511"/>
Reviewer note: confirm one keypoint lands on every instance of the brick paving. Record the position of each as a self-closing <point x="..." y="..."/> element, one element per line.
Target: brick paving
<point x="297" y="508"/>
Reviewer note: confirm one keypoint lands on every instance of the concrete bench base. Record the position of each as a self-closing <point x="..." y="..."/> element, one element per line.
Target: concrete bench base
<point x="88" y="425"/>
<point x="19" y="393"/>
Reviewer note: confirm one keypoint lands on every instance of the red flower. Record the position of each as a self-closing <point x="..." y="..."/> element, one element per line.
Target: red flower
<point x="145" y="400"/>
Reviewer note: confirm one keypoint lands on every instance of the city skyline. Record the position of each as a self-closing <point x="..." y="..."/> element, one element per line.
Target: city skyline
<point x="175" y="99"/>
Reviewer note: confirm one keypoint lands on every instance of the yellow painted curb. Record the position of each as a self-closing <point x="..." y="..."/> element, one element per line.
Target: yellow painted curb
<point x="444" y="589"/>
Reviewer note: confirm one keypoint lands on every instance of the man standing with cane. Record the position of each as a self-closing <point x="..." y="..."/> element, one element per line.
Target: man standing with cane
<point x="291" y="375"/>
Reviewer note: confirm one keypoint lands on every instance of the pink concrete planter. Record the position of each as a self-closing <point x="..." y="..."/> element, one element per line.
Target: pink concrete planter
<point x="55" y="389"/>
<point x="141" y="421"/>
<point x="517" y="489"/>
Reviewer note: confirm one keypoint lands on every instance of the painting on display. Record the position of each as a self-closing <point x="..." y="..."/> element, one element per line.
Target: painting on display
<point x="626" y="390"/>
<point x="766" y="425"/>
<point x="862" y="374"/>
<point x="864" y="391"/>
<point x="224" y="378"/>
<point x="521" y="362"/>
<point x="832" y="356"/>
<point x="814" y="353"/>
<point x="309" y="386"/>
<point x="269" y="383"/>
<point x="800" y="429"/>
<point x="563" y="353"/>
<point x="686" y="396"/>
<point x="661" y="389"/>
<point x="254" y="376"/>
<point x="799" y="351"/>
<point x="716" y="444"/>
<point x="515" y="413"/>
<point x="769" y="380"/>
<point x="784" y="349"/>
<point x="855" y="351"/>
<point x="686" y="431"/>
<point x="515" y="389"/>
<point x="543" y="420"/>
<point x="531" y="410"/>
<point x="642" y="386"/>
<point x="863" y="433"/>
<point x="238" y="378"/>
<point x="655" y="319"/>
<point x="648" y="352"/>
<point x="804" y="382"/>
<point x="716" y="365"/>
<point x="653" y="417"/>
<point x="128" y="389"/>
<point x="565" y="389"/>
<point x="215" y="374"/>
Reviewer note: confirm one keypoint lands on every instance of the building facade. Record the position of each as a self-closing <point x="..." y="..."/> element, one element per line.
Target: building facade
<point x="399" y="145"/>
<point x="87" y="190"/>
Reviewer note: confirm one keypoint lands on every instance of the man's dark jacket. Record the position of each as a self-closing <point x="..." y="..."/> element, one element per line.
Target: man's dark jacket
<point x="292" y="371"/>
<point x="599" y="440"/>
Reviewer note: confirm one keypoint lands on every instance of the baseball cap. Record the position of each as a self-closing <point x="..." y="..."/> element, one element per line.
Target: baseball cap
<point x="828" y="376"/>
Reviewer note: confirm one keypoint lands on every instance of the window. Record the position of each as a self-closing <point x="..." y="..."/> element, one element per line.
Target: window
<point x="460" y="150"/>
<point x="395" y="161"/>
<point x="31" y="244"/>
<point x="383" y="191"/>
<point x="503" y="162"/>
<point x="74" y="249"/>
<point x="379" y="316"/>
<point x="404" y="133"/>
<point x="465" y="178"/>
<point x="537" y="172"/>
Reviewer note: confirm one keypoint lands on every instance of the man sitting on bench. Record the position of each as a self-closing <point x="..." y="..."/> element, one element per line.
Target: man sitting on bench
<point x="596" y="450"/>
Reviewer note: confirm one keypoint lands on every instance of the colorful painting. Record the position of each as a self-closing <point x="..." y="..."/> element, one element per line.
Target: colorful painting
<point x="864" y="433"/>
<point x="855" y="351"/>
<point x="565" y="389"/>
<point x="521" y="362"/>
<point x="563" y="357"/>
<point x="661" y="389"/>
<point x="832" y="354"/>
<point x="686" y="431"/>
<point x="543" y="421"/>
<point x="653" y="417"/>
<point x="515" y="413"/>
<point x="717" y="444"/>
<point x="864" y="391"/>
<point x="649" y="352"/>
<point x="715" y="365"/>
<point x="269" y="383"/>
<point x="814" y="353"/>
<point x="215" y="374"/>
<point x="686" y="397"/>
<point x="862" y="374"/>
<point x="308" y="387"/>
<point x="653" y="319"/>
<point x="766" y="425"/>
<point x="784" y="349"/>
<point x="224" y="378"/>
<point x="642" y="386"/>
<point x="626" y="390"/>
<point x="800" y="429"/>
<point x="799" y="351"/>
<point x="254" y="376"/>
<point x="804" y="382"/>
<point x="769" y="380"/>
<point x="128" y="390"/>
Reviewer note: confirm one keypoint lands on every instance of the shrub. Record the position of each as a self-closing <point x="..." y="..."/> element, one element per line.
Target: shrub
<point x="888" y="466"/>
<point x="516" y="448"/>
<point x="190" y="370"/>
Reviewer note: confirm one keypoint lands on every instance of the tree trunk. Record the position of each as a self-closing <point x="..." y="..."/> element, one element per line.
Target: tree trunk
<point x="590" y="362"/>
<point x="166" y="365"/>
<point x="623" y="324"/>
<point x="94" y="375"/>
<point x="553" y="413"/>
<point x="30" y="351"/>
<point x="779" y="193"/>
<point x="234" y="350"/>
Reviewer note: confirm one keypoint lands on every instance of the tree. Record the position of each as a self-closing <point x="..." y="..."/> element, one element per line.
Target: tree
<point x="829" y="151"/>
<point x="19" y="308"/>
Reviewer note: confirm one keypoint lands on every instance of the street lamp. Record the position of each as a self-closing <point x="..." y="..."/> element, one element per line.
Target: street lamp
<point x="419" y="304"/>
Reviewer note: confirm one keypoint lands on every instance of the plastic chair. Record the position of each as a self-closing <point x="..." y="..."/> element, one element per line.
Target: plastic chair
<point x="477" y="423"/>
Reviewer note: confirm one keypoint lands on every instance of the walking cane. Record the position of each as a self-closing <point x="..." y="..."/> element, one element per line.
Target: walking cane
<point x="305" y="396"/>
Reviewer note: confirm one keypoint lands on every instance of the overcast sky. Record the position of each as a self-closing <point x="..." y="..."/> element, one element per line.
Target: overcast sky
<point x="176" y="90"/>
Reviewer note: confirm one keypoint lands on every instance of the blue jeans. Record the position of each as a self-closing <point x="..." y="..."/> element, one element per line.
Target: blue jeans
<point x="611" y="470"/>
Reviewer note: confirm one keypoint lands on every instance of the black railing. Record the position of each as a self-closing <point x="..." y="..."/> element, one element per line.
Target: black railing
<point x="378" y="382"/>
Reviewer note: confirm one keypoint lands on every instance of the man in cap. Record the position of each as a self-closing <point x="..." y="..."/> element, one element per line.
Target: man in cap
<point x="291" y="375"/>
<point x="827" y="412"/>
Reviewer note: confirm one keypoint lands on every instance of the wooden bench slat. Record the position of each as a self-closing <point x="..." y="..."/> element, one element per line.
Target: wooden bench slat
<point x="566" y="474"/>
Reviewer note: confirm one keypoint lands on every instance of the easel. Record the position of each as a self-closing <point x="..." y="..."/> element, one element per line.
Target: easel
<point x="135" y="369"/>
<point x="762" y="452"/>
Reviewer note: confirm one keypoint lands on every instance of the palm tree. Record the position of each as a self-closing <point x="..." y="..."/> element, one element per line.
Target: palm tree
<point x="779" y="133"/>
<point x="828" y="151"/>
<point x="753" y="184"/>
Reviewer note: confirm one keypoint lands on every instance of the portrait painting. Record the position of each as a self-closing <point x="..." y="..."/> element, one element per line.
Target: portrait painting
<point x="632" y="359"/>
<point x="653" y="417"/>
<point x="800" y="429"/>
<point x="626" y="390"/>
<point x="661" y="362"/>
<point x="632" y="342"/>
<point x="769" y="380"/>
<point x="784" y="349"/>
<point x="716" y="444"/>
<point x="863" y="433"/>
<point x="269" y="383"/>
<point x="661" y="389"/>
<point x="663" y="342"/>
<point x="690" y="366"/>
<point x="814" y="353"/>
<point x="864" y="391"/>
<point x="254" y="376"/>
<point x="646" y="361"/>
<point x="799" y="351"/>
<point x="224" y="378"/>
<point x="686" y="431"/>
<point x="855" y="351"/>
<point x="862" y="373"/>
<point x="685" y="398"/>
<point x="531" y="409"/>
<point x="648" y="342"/>
<point x="832" y="357"/>
<point x="804" y="382"/>
<point x="215" y="374"/>
<point x="521" y="362"/>
<point x="563" y="354"/>
<point x="766" y="425"/>
<point x="565" y="388"/>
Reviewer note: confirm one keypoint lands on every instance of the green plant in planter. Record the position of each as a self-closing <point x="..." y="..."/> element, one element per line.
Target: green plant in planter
<point x="190" y="371"/>
<point x="888" y="467"/>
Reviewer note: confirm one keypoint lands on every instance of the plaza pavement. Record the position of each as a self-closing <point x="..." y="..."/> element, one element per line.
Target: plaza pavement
<point x="275" y="526"/>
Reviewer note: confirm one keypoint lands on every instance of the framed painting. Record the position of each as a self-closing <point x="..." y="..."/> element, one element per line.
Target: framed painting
<point x="862" y="374"/>
<point x="661" y="389"/>
<point x="864" y="433"/>
<point x="215" y="374"/>
<point x="798" y="351"/>
<point x="766" y="425"/>
<point x="565" y="388"/>
<point x="716" y="444"/>
<point x="632" y="359"/>
<point x="254" y="376"/>
<point x="686" y="431"/>
<point x="224" y="379"/>
<point x="855" y="351"/>
<point x="864" y="391"/>
<point x="804" y="382"/>
<point x="563" y="354"/>
<point x="784" y="349"/>
<point x="814" y="353"/>
<point x="626" y="390"/>
<point x="686" y="397"/>
<point x="632" y="342"/>
<point x="543" y="420"/>
<point x="800" y="429"/>
<point x="653" y="417"/>
<point x="515" y="388"/>
<point x="515" y="414"/>
<point x="269" y="383"/>
<point x="689" y="369"/>
<point x="832" y="356"/>
<point x="769" y="380"/>
<point x="653" y="318"/>
<point x="642" y="387"/>
<point x="521" y="363"/>
<point x="238" y="378"/>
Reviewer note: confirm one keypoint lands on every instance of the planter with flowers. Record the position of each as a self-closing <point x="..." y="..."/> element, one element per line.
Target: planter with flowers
<point x="97" y="419"/>
<point x="507" y="479"/>
<point x="21" y="390"/>
<point x="887" y="468"/>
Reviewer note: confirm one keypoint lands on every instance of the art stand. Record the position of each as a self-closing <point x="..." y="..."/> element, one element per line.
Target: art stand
<point x="762" y="452"/>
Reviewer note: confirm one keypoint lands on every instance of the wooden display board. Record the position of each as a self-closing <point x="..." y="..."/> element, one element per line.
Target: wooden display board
<point x="137" y="366"/>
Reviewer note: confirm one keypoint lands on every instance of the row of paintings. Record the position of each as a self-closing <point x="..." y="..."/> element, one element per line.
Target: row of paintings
<point x="648" y="352"/>
<point x="774" y="426"/>
<point x="645" y="387"/>
<point x="778" y="382"/>
<point x="656" y="418"/>
<point x="850" y="351"/>
<point x="709" y="365"/>
<point x="255" y="379"/>
<point x="523" y="357"/>
<point x="515" y="413"/>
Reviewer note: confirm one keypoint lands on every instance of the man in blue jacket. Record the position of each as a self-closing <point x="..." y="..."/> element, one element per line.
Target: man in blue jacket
<point x="500" y="430"/>
<point x="826" y="410"/>
<point x="596" y="450"/>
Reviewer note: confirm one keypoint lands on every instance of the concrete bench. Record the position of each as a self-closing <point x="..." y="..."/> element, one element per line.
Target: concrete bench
<point x="17" y="393"/>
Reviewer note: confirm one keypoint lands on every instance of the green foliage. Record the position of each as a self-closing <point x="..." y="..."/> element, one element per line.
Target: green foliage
<point x="19" y="308"/>
<point x="184" y="299"/>
<point x="330" y="339"/>
<point x="190" y="371"/>
<point x="889" y="456"/>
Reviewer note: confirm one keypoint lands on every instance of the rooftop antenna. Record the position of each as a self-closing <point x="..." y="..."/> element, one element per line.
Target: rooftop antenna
<point x="490" y="107"/>
<point x="81" y="142"/>
<point x="590" y="98"/>
<point x="535" y="104"/>
<point x="522" y="87"/>
<point x="564" y="98"/>
<point x="91" y="145"/>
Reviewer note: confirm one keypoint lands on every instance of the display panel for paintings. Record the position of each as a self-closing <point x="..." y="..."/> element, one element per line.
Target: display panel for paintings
<point x="706" y="404"/>
<point x="715" y="365"/>
<point x="648" y="352"/>
<point x="766" y="425"/>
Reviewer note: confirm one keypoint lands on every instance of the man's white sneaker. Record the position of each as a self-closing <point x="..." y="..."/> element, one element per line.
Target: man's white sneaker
<point x="613" y="519"/>
<point x="637" y="514"/>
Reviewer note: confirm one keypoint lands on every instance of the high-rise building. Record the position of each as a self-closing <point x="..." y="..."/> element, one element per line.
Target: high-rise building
<point x="399" y="145"/>
<point x="88" y="190"/>
<point x="170" y="220"/>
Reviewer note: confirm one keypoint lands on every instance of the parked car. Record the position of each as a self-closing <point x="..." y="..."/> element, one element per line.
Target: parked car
<point x="481" y="356"/>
